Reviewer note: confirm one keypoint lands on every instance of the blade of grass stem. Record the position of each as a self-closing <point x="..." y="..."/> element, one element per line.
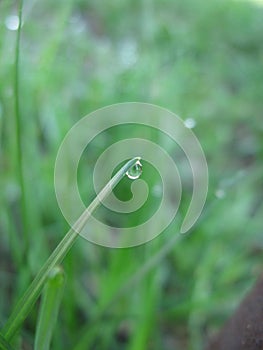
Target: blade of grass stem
<point x="4" y="345"/>
<point x="18" y="129"/>
<point x="49" y="308"/>
<point x="27" y="301"/>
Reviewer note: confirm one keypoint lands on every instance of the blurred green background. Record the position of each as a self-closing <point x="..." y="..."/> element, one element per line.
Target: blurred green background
<point x="203" y="60"/>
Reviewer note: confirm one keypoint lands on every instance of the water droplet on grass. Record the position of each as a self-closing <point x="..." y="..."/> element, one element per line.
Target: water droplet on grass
<point x="135" y="171"/>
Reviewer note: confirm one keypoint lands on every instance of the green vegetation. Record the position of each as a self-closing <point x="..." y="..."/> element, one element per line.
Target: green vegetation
<point x="49" y="309"/>
<point x="200" y="59"/>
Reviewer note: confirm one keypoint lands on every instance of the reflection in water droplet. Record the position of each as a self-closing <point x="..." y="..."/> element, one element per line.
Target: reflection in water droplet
<point x="135" y="171"/>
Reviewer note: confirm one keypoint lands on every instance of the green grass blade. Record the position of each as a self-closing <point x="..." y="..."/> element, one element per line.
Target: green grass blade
<point x="18" y="128"/>
<point x="27" y="301"/>
<point x="4" y="345"/>
<point x="50" y="304"/>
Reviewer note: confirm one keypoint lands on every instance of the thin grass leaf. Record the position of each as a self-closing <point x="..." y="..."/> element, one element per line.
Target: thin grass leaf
<point x="18" y="128"/>
<point x="49" y="309"/>
<point x="4" y="345"/>
<point x="27" y="301"/>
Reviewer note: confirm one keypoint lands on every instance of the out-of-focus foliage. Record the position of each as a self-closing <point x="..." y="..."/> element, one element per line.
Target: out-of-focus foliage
<point x="200" y="59"/>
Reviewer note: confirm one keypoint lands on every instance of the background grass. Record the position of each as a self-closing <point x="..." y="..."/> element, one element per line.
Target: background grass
<point x="200" y="59"/>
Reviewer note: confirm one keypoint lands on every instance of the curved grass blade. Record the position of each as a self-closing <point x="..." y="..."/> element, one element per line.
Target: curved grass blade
<point x="27" y="301"/>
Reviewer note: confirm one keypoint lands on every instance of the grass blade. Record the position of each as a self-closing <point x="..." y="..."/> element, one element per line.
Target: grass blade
<point x="4" y="345"/>
<point x="50" y="304"/>
<point x="27" y="301"/>
<point x="18" y="128"/>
